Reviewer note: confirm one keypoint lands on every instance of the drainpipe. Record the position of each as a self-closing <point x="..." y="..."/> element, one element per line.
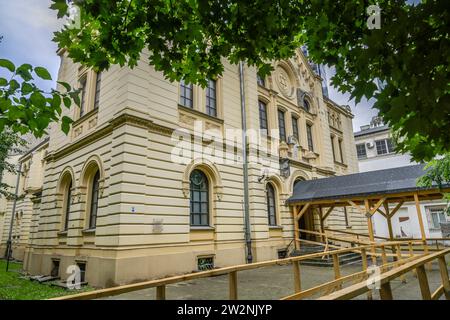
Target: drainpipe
<point x="248" y="237"/>
<point x="9" y="242"/>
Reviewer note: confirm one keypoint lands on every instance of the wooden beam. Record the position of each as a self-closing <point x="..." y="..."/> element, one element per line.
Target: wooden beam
<point x="397" y="207"/>
<point x="419" y="216"/>
<point x="386" y="291"/>
<point x="377" y="206"/>
<point x="302" y="212"/>
<point x="161" y="292"/>
<point x="354" y="205"/>
<point x="297" y="278"/>
<point x="423" y="282"/>
<point x="389" y="222"/>
<point x="370" y="227"/>
<point x="444" y="276"/>
<point x="382" y="213"/>
<point x="322" y="229"/>
<point x="328" y="212"/>
<point x="233" y="285"/>
<point x="296" y="232"/>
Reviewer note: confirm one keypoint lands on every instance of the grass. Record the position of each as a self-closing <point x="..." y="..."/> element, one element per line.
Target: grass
<point x="14" y="288"/>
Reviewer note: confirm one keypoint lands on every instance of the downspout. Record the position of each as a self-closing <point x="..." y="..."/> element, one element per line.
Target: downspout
<point x="13" y="214"/>
<point x="248" y="237"/>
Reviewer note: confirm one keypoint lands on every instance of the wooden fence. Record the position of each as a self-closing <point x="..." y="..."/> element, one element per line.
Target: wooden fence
<point x="232" y="272"/>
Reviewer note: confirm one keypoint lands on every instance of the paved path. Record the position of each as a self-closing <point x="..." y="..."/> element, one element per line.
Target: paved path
<point x="274" y="282"/>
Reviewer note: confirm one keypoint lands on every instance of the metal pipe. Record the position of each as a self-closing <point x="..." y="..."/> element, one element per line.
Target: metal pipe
<point x="9" y="242"/>
<point x="248" y="236"/>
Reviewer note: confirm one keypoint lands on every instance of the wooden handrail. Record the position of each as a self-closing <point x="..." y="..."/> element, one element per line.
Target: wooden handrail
<point x="204" y="274"/>
<point x="384" y="280"/>
<point x="355" y="233"/>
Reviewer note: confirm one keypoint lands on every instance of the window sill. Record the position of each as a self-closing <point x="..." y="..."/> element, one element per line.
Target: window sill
<point x="275" y="227"/>
<point x="340" y="164"/>
<point x="62" y="233"/>
<point x="200" y="114"/>
<point x="84" y="117"/>
<point x="88" y="231"/>
<point x="202" y="228"/>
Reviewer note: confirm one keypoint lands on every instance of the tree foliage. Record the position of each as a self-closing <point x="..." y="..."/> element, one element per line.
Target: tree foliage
<point x="10" y="143"/>
<point x="188" y="39"/>
<point x="24" y="107"/>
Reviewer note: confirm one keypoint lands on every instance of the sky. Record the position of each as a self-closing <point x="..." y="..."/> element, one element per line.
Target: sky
<point x="27" y="28"/>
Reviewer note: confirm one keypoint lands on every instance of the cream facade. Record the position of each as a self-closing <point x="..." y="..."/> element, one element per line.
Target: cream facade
<point x="118" y="201"/>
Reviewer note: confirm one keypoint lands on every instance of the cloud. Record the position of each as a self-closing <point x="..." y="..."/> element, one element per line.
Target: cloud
<point x="27" y="28"/>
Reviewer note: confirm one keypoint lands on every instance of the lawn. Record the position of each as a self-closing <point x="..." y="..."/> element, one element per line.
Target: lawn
<point x="14" y="288"/>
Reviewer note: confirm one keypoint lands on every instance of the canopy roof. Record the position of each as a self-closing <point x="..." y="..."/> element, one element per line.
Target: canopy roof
<point x="394" y="182"/>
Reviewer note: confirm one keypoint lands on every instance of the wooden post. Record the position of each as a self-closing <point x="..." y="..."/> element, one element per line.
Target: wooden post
<point x="389" y="222"/>
<point x="444" y="276"/>
<point x="423" y="283"/>
<point x="364" y="267"/>
<point x="370" y="227"/>
<point x="411" y="253"/>
<point x="337" y="271"/>
<point x="383" y="255"/>
<point x="297" y="278"/>
<point x="322" y="229"/>
<point x="386" y="291"/>
<point x="419" y="217"/>
<point x="399" y="258"/>
<point x="233" y="285"/>
<point x="296" y="232"/>
<point x="161" y="292"/>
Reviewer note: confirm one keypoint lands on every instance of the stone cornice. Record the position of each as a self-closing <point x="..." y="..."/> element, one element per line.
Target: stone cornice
<point x="106" y="130"/>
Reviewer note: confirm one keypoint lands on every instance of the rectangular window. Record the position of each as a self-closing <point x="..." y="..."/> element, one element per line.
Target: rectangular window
<point x="361" y="151"/>
<point x="437" y="215"/>
<point x="295" y="128"/>
<point x="186" y="94"/>
<point x="97" y="90"/>
<point x="309" y="137"/>
<point x="332" y="148"/>
<point x="82" y="266"/>
<point x="83" y="96"/>
<point x="281" y="125"/>
<point x="381" y="147"/>
<point x="390" y="145"/>
<point x="341" y="154"/>
<point x="260" y="81"/>
<point x="262" y="116"/>
<point x="211" y="101"/>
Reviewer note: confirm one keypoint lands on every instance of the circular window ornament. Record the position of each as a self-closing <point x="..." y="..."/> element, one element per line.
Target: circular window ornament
<point x="284" y="82"/>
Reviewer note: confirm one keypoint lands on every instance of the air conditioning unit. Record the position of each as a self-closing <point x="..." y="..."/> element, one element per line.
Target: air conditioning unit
<point x="370" y="145"/>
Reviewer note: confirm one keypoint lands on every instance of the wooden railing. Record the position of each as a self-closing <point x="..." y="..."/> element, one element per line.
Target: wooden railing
<point x="418" y="265"/>
<point x="232" y="272"/>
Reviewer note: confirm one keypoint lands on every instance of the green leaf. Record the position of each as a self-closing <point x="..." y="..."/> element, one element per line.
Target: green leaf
<point x="65" y="85"/>
<point x="61" y="6"/>
<point x="26" y="88"/>
<point x="38" y="100"/>
<point x="42" y="73"/>
<point x="67" y="102"/>
<point x="7" y="64"/>
<point x="24" y="71"/>
<point x="3" y="82"/>
<point x="65" y="124"/>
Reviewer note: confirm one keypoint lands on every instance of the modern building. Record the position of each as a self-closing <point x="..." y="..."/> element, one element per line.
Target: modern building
<point x="376" y="150"/>
<point x="149" y="181"/>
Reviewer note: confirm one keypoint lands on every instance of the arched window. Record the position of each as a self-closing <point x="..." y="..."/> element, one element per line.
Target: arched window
<point x="94" y="201"/>
<point x="67" y="205"/>
<point x="306" y="105"/>
<point x="271" y="205"/>
<point x="199" y="191"/>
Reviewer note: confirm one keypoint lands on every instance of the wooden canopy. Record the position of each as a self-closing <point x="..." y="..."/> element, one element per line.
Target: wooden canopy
<point x="367" y="192"/>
